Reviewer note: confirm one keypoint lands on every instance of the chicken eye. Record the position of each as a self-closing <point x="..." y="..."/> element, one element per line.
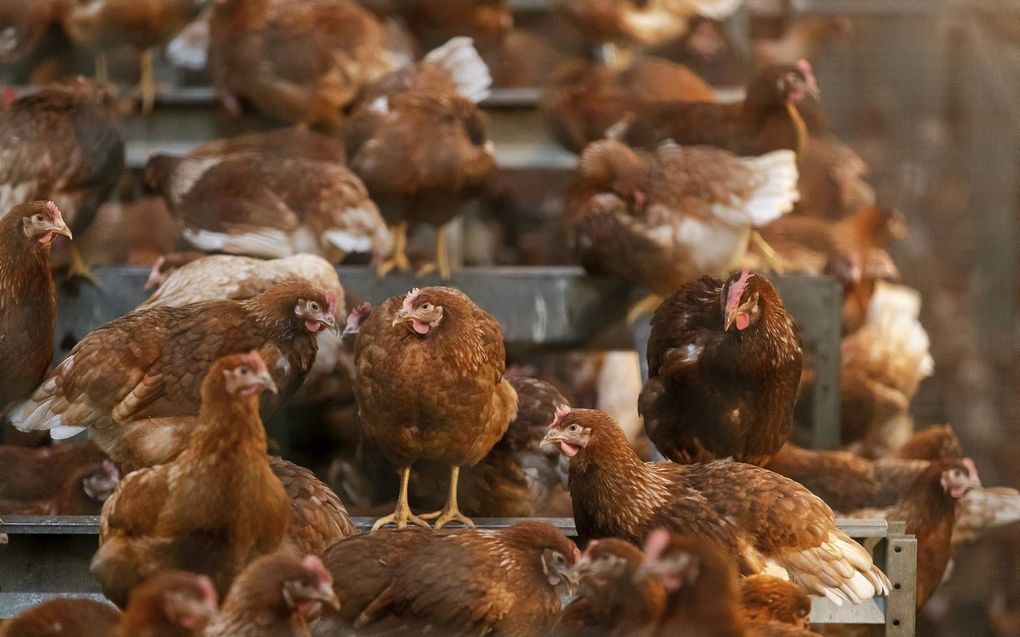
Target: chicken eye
<point x="313" y="306"/>
<point x="426" y="306"/>
<point x="574" y="428"/>
<point x="244" y="371"/>
<point x="37" y="218"/>
<point x="604" y="558"/>
<point x="559" y="559"/>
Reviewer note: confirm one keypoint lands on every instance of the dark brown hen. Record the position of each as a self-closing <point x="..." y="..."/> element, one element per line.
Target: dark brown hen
<point x="766" y="120"/>
<point x="759" y="516"/>
<point x="500" y="583"/>
<point x="214" y="508"/>
<point x="28" y="298"/>
<point x="135" y="381"/>
<point x="420" y="143"/>
<point x="612" y="599"/>
<point x="724" y="364"/>
<point x="429" y="384"/>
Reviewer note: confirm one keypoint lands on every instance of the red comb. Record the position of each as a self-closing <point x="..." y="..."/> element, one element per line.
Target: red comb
<point x="656" y="543"/>
<point x="805" y="67"/>
<point x="10" y="96"/>
<point x="208" y="590"/>
<point x="314" y="565"/>
<point x="409" y="299"/>
<point x="737" y="290"/>
<point x="561" y="412"/>
<point x="330" y="302"/>
<point x="256" y="361"/>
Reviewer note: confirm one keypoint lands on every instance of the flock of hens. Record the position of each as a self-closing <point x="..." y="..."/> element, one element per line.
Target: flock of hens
<point x="729" y="536"/>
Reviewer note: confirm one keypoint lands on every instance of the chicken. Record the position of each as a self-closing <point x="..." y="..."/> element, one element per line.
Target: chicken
<point x="612" y="599"/>
<point x="421" y="145"/>
<point x="130" y="233"/>
<point x="269" y="206"/>
<point x="769" y="599"/>
<point x="294" y="142"/>
<point x="172" y="604"/>
<point x="83" y="492"/>
<point x="803" y="39"/>
<point x="318" y="519"/>
<point x="277" y="595"/>
<point x="713" y="392"/>
<point x="429" y="384"/>
<point x="666" y="218"/>
<point x="583" y="99"/>
<point x="759" y="516"/>
<point x="298" y="61"/>
<point x="938" y="442"/>
<point x="214" y="508"/>
<point x="985" y="508"/>
<point x="27" y="296"/>
<point x="32" y="474"/>
<point x="376" y="558"/>
<point x="766" y="120"/>
<point x="102" y="25"/>
<point x="518" y="478"/>
<point x="505" y="582"/>
<point x="61" y="143"/>
<point x="832" y="179"/>
<point x="23" y="27"/>
<point x="644" y="23"/>
<point x="929" y="509"/>
<point x="434" y="22"/>
<point x="135" y="381"/>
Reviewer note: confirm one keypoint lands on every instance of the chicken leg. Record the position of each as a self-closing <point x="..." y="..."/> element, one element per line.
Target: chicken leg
<point x="398" y="259"/>
<point x="146" y="82"/>
<point x="772" y="258"/>
<point x="78" y="269"/>
<point x="450" y="512"/>
<point x="402" y="514"/>
<point x="442" y="261"/>
<point x="102" y="73"/>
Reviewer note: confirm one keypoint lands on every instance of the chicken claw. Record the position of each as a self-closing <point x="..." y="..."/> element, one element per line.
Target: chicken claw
<point x="402" y="513"/>
<point x="78" y="269"/>
<point x="398" y="259"/>
<point x="442" y="261"/>
<point x="450" y="512"/>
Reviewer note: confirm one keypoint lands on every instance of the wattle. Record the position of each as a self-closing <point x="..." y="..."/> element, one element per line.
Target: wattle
<point x="420" y="326"/>
<point x="313" y="326"/>
<point x="568" y="449"/>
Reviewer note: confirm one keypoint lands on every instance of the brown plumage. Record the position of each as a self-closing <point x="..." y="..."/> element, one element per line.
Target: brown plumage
<point x="766" y="120"/>
<point x="61" y="143"/>
<point x="517" y="478"/>
<point x="375" y="557"/>
<point x="769" y="599"/>
<point x="584" y="99"/>
<point x="664" y="218"/>
<point x="135" y="381"/>
<point x="640" y="22"/>
<point x="24" y="26"/>
<point x="214" y="508"/>
<point x="28" y="306"/>
<point x="759" y="516"/>
<point x="434" y="22"/>
<point x="318" y="519"/>
<point x="429" y="384"/>
<point x="715" y="392"/>
<point x="938" y="442"/>
<point x="420" y="143"/>
<point x="269" y="206"/>
<point x="832" y="180"/>
<point x="275" y="596"/>
<point x="496" y="583"/>
<point x="172" y="604"/>
<point x="300" y="61"/>
<point x="612" y="600"/>
<point x="32" y="474"/>
<point x="290" y="142"/>
<point x="83" y="490"/>
<point x="703" y="596"/>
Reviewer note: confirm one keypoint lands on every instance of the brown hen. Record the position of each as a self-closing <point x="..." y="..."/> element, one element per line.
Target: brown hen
<point x="299" y="61"/>
<point x="61" y="143"/>
<point x="275" y="596"/>
<point x="429" y="384"/>
<point x="665" y="218"/>
<point x="421" y="144"/>
<point x="23" y="27"/>
<point x="769" y="599"/>
<point x="612" y="599"/>
<point x="172" y="604"/>
<point x="83" y="490"/>
<point x="269" y="206"/>
<point x="135" y="381"/>
<point x="318" y="519"/>
<point x="724" y="364"/>
<point x="28" y="298"/>
<point x="214" y="508"/>
<point x="759" y="516"/>
<point x="583" y="99"/>
<point x="766" y="120"/>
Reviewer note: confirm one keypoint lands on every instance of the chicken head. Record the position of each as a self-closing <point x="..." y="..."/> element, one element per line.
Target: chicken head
<point x="247" y="375"/>
<point x="41" y="221"/>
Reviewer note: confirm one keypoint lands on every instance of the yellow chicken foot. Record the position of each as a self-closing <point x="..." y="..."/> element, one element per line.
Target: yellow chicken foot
<point x="442" y="260"/>
<point x="772" y="258"/>
<point x="450" y="512"/>
<point x="78" y="269"/>
<point x="146" y="82"/>
<point x="646" y="305"/>
<point x="398" y="258"/>
<point x="402" y="514"/>
<point x="102" y="74"/>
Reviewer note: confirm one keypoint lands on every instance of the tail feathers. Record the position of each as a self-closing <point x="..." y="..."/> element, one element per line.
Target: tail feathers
<point x="775" y="193"/>
<point x="839" y="569"/>
<point x="893" y="301"/>
<point x="468" y="71"/>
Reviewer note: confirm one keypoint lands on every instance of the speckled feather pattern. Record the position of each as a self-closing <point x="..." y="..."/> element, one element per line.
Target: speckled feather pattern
<point x="439" y="396"/>
<point x="715" y="394"/>
<point x="318" y="518"/>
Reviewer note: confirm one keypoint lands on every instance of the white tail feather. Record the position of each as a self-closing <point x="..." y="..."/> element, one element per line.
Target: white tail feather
<point x="469" y="72"/>
<point x="776" y="174"/>
<point x="839" y="569"/>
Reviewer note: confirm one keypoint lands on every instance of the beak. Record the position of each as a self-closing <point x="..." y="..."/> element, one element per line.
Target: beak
<point x="59" y="227"/>
<point x="330" y="322"/>
<point x="399" y="318"/>
<point x="155" y="274"/>
<point x="265" y="380"/>
<point x="812" y="89"/>
<point x="325" y="594"/>
<point x="650" y="569"/>
<point x="731" y="318"/>
<point x="552" y="438"/>
<point x="580" y="567"/>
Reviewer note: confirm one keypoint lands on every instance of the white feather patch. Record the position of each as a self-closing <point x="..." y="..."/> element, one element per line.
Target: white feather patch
<point x="266" y="243"/>
<point x="468" y="71"/>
